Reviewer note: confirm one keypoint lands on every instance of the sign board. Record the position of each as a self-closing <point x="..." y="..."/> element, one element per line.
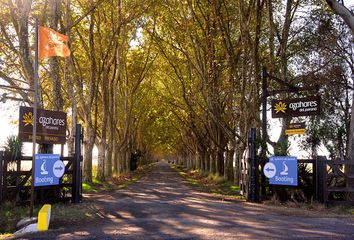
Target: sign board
<point x="296" y="107"/>
<point x="48" y="169"/>
<point x="294" y="131"/>
<point x="295" y="128"/>
<point x="282" y="170"/>
<point x="51" y="126"/>
<point x="297" y="125"/>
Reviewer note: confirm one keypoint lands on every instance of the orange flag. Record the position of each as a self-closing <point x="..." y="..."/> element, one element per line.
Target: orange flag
<point x="52" y="43"/>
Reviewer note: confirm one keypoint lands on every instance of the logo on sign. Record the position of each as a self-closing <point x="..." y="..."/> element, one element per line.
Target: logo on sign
<point x="28" y="119"/>
<point x="285" y="169"/>
<point x="280" y="107"/>
<point x="43" y="171"/>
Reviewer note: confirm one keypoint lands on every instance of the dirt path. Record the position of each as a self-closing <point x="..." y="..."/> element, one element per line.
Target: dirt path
<point x="162" y="206"/>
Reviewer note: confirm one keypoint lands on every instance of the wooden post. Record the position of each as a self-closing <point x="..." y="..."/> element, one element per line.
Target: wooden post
<point x="314" y="179"/>
<point x="321" y="180"/>
<point x="265" y="95"/>
<point x="1" y="173"/>
<point x="253" y="192"/>
<point x="4" y="177"/>
<point x="35" y="106"/>
<point x="76" y="187"/>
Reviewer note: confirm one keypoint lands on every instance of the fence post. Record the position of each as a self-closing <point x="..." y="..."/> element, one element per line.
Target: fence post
<point x="4" y="176"/>
<point x="253" y="186"/>
<point x="1" y="173"/>
<point x="314" y="179"/>
<point x="76" y="166"/>
<point x="321" y="179"/>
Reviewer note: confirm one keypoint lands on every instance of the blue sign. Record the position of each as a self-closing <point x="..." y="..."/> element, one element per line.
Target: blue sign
<point x="282" y="170"/>
<point x="48" y="169"/>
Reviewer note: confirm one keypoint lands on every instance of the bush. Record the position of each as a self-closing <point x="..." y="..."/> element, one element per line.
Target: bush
<point x="13" y="148"/>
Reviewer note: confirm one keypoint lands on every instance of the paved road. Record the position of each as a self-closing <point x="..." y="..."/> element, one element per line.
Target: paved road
<point x="162" y="206"/>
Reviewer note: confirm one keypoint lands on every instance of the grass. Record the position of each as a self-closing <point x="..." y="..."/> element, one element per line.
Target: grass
<point x="309" y="209"/>
<point x="11" y="215"/>
<point x="219" y="186"/>
<point x="116" y="182"/>
<point x="212" y="183"/>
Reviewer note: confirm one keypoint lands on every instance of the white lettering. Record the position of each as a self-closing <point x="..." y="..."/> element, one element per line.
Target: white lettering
<point x="284" y="179"/>
<point x="44" y="180"/>
<point x="296" y="105"/>
<point x="44" y="121"/>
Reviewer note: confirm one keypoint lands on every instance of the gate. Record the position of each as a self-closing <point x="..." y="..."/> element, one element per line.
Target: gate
<point x="15" y="185"/>
<point x="338" y="184"/>
<point x="327" y="181"/>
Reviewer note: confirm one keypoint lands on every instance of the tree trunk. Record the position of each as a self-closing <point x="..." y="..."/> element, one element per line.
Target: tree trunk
<point x="68" y="76"/>
<point x="343" y="12"/>
<point x="101" y="160"/>
<point x="88" y="147"/>
<point x="349" y="170"/>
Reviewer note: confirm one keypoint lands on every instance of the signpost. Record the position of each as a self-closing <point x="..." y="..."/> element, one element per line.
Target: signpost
<point x="282" y="170"/>
<point x="280" y="108"/>
<point x="48" y="169"/>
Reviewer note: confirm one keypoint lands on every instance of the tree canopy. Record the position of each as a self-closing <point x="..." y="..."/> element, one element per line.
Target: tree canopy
<point x="182" y="79"/>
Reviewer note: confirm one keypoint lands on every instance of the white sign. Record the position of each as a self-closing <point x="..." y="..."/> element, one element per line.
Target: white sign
<point x="269" y="170"/>
<point x="58" y="169"/>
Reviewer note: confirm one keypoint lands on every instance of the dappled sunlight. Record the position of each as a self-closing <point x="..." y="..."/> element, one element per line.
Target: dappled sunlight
<point x="164" y="205"/>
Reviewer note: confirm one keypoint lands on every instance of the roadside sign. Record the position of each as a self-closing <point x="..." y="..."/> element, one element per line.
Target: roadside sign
<point x="282" y="170"/>
<point x="51" y="126"/>
<point x="296" y="107"/>
<point x="48" y="169"/>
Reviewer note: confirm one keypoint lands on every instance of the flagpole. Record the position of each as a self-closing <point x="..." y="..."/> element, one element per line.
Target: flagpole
<point x="35" y="105"/>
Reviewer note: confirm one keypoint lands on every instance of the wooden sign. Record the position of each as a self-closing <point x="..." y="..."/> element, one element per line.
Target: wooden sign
<point x="296" y="107"/>
<point x="51" y="126"/>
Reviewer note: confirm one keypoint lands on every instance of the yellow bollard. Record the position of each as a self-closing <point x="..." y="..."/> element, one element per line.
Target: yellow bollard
<point x="44" y="217"/>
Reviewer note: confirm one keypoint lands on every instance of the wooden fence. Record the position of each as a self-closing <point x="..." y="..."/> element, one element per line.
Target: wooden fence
<point x="15" y="184"/>
<point x="338" y="183"/>
<point x="327" y="179"/>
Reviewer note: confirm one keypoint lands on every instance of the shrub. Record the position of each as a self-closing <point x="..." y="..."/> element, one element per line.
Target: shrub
<point x="13" y="148"/>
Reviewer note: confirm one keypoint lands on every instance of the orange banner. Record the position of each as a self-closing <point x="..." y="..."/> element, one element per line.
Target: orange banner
<point x="52" y="43"/>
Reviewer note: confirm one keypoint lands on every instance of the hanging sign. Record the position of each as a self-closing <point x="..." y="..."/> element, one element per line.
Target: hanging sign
<point x="51" y="126"/>
<point x="296" y="107"/>
<point x="295" y="128"/>
<point x="294" y="131"/>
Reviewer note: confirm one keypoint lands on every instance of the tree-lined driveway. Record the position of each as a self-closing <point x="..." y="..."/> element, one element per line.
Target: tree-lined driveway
<point x="163" y="206"/>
